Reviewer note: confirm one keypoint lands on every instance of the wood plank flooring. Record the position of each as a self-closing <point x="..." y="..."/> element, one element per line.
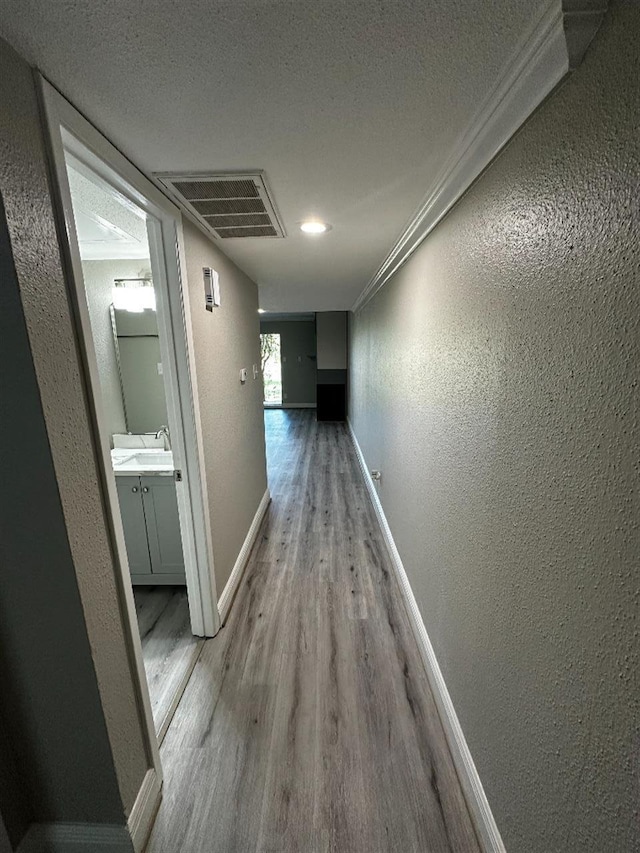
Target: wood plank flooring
<point x="308" y="724"/>
<point x="168" y="646"/>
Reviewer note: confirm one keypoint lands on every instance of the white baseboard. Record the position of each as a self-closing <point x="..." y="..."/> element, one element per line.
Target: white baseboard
<point x="469" y="779"/>
<point x="226" y="599"/>
<point x="99" y="837"/>
<point x="76" y="838"/>
<point x="144" y="810"/>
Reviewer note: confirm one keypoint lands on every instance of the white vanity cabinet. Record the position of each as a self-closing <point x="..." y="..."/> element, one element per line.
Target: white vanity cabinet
<point x="149" y="511"/>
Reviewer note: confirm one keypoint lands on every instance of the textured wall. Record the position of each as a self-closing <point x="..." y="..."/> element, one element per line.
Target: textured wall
<point x="297" y="340"/>
<point x="331" y="329"/>
<point x="495" y="385"/>
<point x="43" y="293"/>
<point x="46" y="672"/>
<point x="5" y="844"/>
<point x="226" y="340"/>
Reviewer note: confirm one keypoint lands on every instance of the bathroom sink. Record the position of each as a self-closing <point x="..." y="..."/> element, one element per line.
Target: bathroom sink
<point x="145" y="459"/>
<point x="142" y="460"/>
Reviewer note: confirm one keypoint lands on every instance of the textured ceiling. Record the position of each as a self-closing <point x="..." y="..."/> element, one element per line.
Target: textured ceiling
<point x="106" y="228"/>
<point x="350" y="107"/>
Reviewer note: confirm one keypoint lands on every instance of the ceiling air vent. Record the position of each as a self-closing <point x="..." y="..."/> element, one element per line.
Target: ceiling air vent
<point x="237" y="205"/>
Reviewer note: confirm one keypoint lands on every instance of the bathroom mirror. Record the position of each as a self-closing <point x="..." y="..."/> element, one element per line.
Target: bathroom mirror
<point x="137" y="346"/>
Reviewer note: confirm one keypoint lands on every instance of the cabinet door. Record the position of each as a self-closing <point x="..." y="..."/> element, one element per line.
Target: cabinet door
<point x="133" y="522"/>
<point x="163" y="524"/>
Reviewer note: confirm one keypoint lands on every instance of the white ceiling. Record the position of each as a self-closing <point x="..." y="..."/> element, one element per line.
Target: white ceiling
<point x="351" y="108"/>
<point x="106" y="228"/>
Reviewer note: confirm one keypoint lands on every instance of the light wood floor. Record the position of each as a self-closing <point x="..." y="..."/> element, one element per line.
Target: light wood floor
<point x="308" y="724"/>
<point x="168" y="646"/>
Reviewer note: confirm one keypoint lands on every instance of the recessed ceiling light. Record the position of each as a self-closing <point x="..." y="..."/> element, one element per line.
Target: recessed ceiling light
<point x="313" y="226"/>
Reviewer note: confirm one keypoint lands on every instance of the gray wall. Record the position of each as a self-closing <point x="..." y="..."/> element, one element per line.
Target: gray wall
<point x="98" y="278"/>
<point x="495" y="385"/>
<point x="46" y="669"/>
<point x="231" y="415"/>
<point x="332" y="340"/>
<point x="298" y="350"/>
<point x="79" y="779"/>
<point x="5" y="844"/>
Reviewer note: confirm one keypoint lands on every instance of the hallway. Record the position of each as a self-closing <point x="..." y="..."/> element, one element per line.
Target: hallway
<point x="308" y="723"/>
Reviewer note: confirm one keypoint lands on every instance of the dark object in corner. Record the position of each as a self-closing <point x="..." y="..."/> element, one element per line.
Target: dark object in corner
<point x="332" y="402"/>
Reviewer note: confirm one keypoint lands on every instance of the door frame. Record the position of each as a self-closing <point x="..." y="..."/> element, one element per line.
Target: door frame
<point x="69" y="130"/>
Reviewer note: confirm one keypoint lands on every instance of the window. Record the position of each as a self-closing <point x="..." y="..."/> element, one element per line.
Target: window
<point x="271" y="364"/>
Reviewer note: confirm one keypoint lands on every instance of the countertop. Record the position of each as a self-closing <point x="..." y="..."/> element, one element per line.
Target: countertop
<point x="135" y="462"/>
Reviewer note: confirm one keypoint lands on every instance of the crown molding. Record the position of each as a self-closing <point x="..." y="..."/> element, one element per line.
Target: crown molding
<point x="581" y="20"/>
<point x="553" y="47"/>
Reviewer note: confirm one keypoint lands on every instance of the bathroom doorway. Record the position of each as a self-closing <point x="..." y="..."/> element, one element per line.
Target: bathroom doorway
<point x="118" y="283"/>
<point x="123" y="238"/>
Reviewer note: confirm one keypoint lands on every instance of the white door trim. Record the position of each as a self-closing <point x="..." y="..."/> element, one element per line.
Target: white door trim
<point x="177" y="359"/>
<point x="167" y="250"/>
<point x="56" y="111"/>
<point x="69" y="129"/>
<point x="143" y="813"/>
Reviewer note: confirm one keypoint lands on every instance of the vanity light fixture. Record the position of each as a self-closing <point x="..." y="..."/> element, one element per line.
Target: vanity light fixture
<point x="134" y="294"/>
<point x="261" y="310"/>
<point x="314" y="226"/>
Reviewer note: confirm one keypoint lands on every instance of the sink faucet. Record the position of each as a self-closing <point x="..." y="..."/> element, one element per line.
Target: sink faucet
<point x="164" y="432"/>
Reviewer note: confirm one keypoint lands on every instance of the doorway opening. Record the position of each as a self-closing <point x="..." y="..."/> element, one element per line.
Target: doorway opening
<point x="130" y="303"/>
<point x="118" y="282"/>
<point x="271" y="363"/>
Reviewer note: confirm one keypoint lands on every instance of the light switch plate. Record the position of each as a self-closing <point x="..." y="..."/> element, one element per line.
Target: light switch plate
<point x="243" y="374"/>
